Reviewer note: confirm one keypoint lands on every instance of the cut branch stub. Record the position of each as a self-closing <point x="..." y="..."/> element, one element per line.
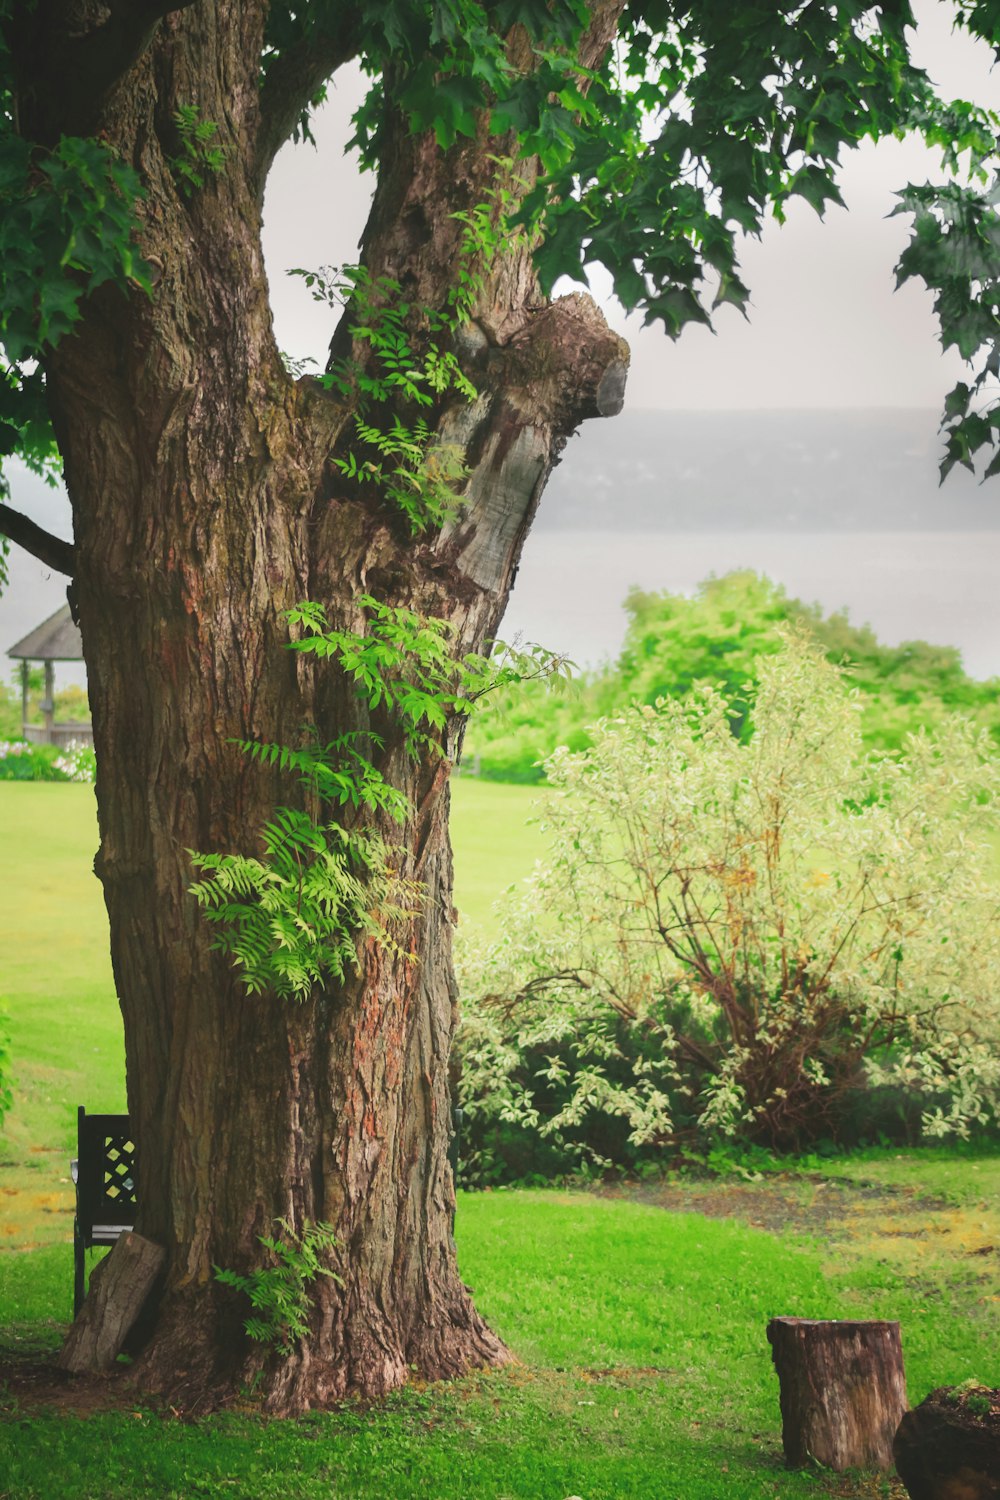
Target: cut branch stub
<point x="573" y="363"/>
<point x="843" y="1391"/>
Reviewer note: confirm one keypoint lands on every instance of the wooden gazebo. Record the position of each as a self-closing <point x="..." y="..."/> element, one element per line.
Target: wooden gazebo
<point x="56" y="639"/>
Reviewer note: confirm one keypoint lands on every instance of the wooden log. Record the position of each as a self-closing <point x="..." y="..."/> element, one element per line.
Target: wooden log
<point x="949" y="1445"/>
<point x="843" y="1392"/>
<point x="119" y="1287"/>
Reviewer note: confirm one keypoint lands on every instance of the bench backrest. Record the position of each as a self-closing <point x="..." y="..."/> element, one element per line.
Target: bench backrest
<point x="106" y="1170"/>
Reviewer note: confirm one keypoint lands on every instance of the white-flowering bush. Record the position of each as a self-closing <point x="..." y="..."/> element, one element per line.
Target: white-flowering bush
<point x="738" y="938"/>
<point x="21" y="760"/>
<point x="78" y="761"/>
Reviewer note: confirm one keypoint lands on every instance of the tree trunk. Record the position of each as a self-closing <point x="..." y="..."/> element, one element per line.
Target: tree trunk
<point x="206" y="502"/>
<point x="842" y="1391"/>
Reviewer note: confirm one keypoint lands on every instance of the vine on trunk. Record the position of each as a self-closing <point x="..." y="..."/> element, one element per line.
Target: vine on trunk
<point x="293" y="917"/>
<point x="278" y="1293"/>
<point x="420" y="478"/>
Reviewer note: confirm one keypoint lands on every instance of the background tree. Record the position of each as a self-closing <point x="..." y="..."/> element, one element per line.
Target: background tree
<point x="718" y="635"/>
<point x="735" y="937"/>
<point x="212" y="491"/>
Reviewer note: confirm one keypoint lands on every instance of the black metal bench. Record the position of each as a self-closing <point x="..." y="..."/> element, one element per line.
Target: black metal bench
<point x="104" y="1174"/>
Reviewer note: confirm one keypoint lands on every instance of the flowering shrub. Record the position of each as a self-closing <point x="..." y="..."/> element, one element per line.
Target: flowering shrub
<point x="22" y="761"/>
<point x="739" y="938"/>
<point x="77" y="762"/>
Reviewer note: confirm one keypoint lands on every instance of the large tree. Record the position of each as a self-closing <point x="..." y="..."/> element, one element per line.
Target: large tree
<point x="213" y="490"/>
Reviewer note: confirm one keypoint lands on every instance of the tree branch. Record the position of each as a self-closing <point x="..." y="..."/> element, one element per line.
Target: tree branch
<point x="50" y="550"/>
<point x="79" y="71"/>
<point x="292" y="79"/>
<point x="105" y="55"/>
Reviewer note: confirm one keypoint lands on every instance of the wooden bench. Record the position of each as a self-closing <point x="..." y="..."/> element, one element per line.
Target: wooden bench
<point x="104" y="1174"/>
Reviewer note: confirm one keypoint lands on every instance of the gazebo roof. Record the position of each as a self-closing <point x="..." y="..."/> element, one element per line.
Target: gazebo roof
<point x="56" y="639"/>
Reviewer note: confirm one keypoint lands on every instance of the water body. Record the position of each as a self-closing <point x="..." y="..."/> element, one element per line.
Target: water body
<point x="937" y="586"/>
<point x="841" y="508"/>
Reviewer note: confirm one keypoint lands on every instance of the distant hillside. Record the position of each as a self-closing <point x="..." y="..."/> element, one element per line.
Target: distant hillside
<point x="763" y="471"/>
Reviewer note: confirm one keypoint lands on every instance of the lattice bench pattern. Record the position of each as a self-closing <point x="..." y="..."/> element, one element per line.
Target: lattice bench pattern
<point x="118" y="1163"/>
<point x="104" y="1173"/>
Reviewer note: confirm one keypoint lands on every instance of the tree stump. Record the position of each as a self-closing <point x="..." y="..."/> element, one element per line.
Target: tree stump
<point x="949" y="1445"/>
<point x="843" y="1392"/>
<point x="118" y="1289"/>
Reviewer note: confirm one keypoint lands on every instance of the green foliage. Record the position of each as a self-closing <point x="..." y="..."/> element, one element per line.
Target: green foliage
<point x="692" y="129"/>
<point x="278" y="1292"/>
<point x="972" y="1394"/>
<point x="719" y="635"/>
<point x="78" y="762"/>
<point x="419" y="475"/>
<point x="22" y="761"/>
<point x="197" y="157"/>
<point x="66" y="227"/>
<point x="652" y="163"/>
<point x="737" y="937"/>
<point x="10" y="711"/>
<point x="953" y="251"/>
<point x="25" y="430"/>
<point x="70" y="705"/>
<point x="294" y="917"/>
<point x="403" y="664"/>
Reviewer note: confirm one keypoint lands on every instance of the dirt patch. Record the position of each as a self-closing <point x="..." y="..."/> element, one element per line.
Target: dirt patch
<point x="820" y="1208"/>
<point x="31" y="1383"/>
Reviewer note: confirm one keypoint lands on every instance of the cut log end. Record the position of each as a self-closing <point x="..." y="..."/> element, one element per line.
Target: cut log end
<point x="119" y="1287"/>
<point x="843" y="1391"/>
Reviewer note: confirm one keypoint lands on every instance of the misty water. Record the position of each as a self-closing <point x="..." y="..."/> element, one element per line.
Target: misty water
<point x="840" y="508"/>
<point x="935" y="586"/>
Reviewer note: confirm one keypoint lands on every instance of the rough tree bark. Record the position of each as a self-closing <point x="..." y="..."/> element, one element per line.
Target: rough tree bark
<point x="205" y="503"/>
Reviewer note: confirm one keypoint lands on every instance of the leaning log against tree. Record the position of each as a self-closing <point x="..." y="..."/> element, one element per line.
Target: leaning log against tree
<point x="119" y="1288"/>
<point x="842" y="1391"/>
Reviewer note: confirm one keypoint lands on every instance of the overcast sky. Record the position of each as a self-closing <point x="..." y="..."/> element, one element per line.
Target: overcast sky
<point x="826" y="328"/>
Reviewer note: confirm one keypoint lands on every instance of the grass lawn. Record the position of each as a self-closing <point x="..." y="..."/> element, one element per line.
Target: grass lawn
<point x="637" y="1319"/>
<point x="643" y="1371"/>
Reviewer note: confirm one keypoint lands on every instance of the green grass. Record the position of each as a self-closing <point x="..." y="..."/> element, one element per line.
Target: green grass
<point x="496" y="840"/>
<point x="962" y="1174"/>
<point x="644" y="1371"/>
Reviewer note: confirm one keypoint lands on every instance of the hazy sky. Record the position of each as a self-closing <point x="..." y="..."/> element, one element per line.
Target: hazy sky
<point x="826" y="328"/>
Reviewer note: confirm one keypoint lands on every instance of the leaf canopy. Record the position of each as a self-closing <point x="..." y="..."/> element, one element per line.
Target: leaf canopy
<point x="656" y="155"/>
